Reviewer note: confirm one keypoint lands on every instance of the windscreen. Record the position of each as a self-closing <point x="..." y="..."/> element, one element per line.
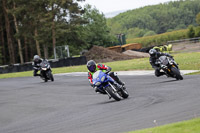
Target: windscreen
<point x="96" y="74"/>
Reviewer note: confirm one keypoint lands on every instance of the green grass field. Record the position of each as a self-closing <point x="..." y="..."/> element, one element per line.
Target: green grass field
<point x="190" y="126"/>
<point x="194" y="73"/>
<point x="186" y="61"/>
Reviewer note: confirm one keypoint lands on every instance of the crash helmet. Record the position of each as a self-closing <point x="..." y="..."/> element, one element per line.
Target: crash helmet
<point x="36" y="58"/>
<point x="91" y="65"/>
<point x="152" y="52"/>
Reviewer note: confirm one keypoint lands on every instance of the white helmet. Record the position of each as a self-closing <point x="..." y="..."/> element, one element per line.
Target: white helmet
<point x="152" y="52"/>
<point x="36" y="58"/>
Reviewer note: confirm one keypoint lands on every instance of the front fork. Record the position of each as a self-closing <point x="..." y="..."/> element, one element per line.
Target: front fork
<point x="112" y="87"/>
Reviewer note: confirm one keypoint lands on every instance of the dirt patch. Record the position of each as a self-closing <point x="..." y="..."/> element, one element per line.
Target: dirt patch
<point x="186" y="47"/>
<point x="101" y="54"/>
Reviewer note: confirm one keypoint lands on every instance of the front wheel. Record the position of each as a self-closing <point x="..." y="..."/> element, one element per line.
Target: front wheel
<point x="52" y="78"/>
<point x="50" y="75"/>
<point x="177" y="73"/>
<point x="112" y="93"/>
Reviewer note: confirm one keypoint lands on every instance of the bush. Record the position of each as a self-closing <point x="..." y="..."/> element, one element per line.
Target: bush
<point x="150" y="33"/>
<point x="197" y="31"/>
<point x="191" y="31"/>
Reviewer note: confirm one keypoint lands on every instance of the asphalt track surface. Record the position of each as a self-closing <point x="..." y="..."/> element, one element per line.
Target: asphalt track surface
<point x="70" y="105"/>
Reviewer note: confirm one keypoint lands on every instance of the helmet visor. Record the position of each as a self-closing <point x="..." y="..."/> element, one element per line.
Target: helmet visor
<point x="92" y="68"/>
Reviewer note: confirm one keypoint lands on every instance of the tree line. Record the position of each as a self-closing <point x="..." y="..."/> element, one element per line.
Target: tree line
<point x="38" y="26"/>
<point x="156" y="19"/>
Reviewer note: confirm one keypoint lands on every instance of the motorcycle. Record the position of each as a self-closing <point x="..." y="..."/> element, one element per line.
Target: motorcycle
<point x="170" y="67"/>
<point x="45" y="71"/>
<point x="107" y="85"/>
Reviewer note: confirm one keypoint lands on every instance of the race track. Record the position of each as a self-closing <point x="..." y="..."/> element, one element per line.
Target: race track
<point x="70" y="105"/>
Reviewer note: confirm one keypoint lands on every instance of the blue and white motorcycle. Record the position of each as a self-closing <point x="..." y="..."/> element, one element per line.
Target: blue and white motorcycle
<point x="107" y="85"/>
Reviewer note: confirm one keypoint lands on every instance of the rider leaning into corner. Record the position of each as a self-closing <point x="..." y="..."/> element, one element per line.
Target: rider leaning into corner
<point x="154" y="55"/>
<point x="36" y="65"/>
<point x="93" y="67"/>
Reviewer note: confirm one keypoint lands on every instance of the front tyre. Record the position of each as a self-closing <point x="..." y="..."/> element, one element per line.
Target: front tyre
<point x="112" y="93"/>
<point x="50" y="75"/>
<point x="177" y="73"/>
<point x="52" y="78"/>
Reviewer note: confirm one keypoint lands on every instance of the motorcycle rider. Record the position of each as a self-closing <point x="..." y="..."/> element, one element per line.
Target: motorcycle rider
<point x="93" y="67"/>
<point x="154" y="55"/>
<point x="36" y="64"/>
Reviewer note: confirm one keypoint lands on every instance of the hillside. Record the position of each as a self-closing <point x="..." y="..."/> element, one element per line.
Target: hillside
<point x="156" y="19"/>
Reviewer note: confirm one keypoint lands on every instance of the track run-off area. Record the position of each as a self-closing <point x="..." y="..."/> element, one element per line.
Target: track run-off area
<point x="70" y="105"/>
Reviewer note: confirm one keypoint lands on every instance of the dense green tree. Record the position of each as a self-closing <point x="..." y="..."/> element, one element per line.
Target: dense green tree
<point x="10" y="44"/>
<point x="198" y="18"/>
<point x="36" y="27"/>
<point x="96" y="31"/>
<point x="2" y="39"/>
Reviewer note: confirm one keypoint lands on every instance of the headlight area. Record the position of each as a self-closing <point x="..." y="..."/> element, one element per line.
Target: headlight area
<point x="97" y="83"/>
<point x="44" y="69"/>
<point x="103" y="78"/>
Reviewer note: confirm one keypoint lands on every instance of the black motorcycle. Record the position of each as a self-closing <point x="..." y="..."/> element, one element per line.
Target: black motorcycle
<point x="170" y="67"/>
<point x="45" y="71"/>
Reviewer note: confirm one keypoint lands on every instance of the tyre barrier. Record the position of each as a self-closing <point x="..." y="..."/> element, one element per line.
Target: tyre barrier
<point x="72" y="61"/>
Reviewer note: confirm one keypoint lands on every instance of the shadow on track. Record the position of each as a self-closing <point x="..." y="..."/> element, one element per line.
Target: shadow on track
<point x="168" y="81"/>
<point x="112" y="101"/>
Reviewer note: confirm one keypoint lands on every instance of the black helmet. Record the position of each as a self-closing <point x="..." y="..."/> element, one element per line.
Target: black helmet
<point x="36" y="58"/>
<point x="91" y="65"/>
<point x="152" y="52"/>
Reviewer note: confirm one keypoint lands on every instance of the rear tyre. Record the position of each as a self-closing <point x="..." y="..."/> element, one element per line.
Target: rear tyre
<point x="124" y="93"/>
<point x="113" y="94"/>
<point x="177" y="73"/>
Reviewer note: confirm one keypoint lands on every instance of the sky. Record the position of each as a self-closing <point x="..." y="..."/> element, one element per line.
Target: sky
<point x="107" y="6"/>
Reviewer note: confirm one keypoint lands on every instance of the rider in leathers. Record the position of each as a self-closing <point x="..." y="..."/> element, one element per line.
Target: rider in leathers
<point x="93" y="67"/>
<point x="154" y="55"/>
<point x="36" y="65"/>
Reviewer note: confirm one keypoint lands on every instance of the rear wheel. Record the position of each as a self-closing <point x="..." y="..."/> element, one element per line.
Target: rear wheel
<point x="113" y="94"/>
<point x="177" y="73"/>
<point x="124" y="93"/>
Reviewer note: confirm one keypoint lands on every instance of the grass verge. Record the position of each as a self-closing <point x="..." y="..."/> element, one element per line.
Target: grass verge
<point x="194" y="73"/>
<point x="190" y="126"/>
<point x="186" y="61"/>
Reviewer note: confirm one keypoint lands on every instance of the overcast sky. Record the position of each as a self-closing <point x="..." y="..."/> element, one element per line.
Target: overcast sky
<point x="107" y="6"/>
